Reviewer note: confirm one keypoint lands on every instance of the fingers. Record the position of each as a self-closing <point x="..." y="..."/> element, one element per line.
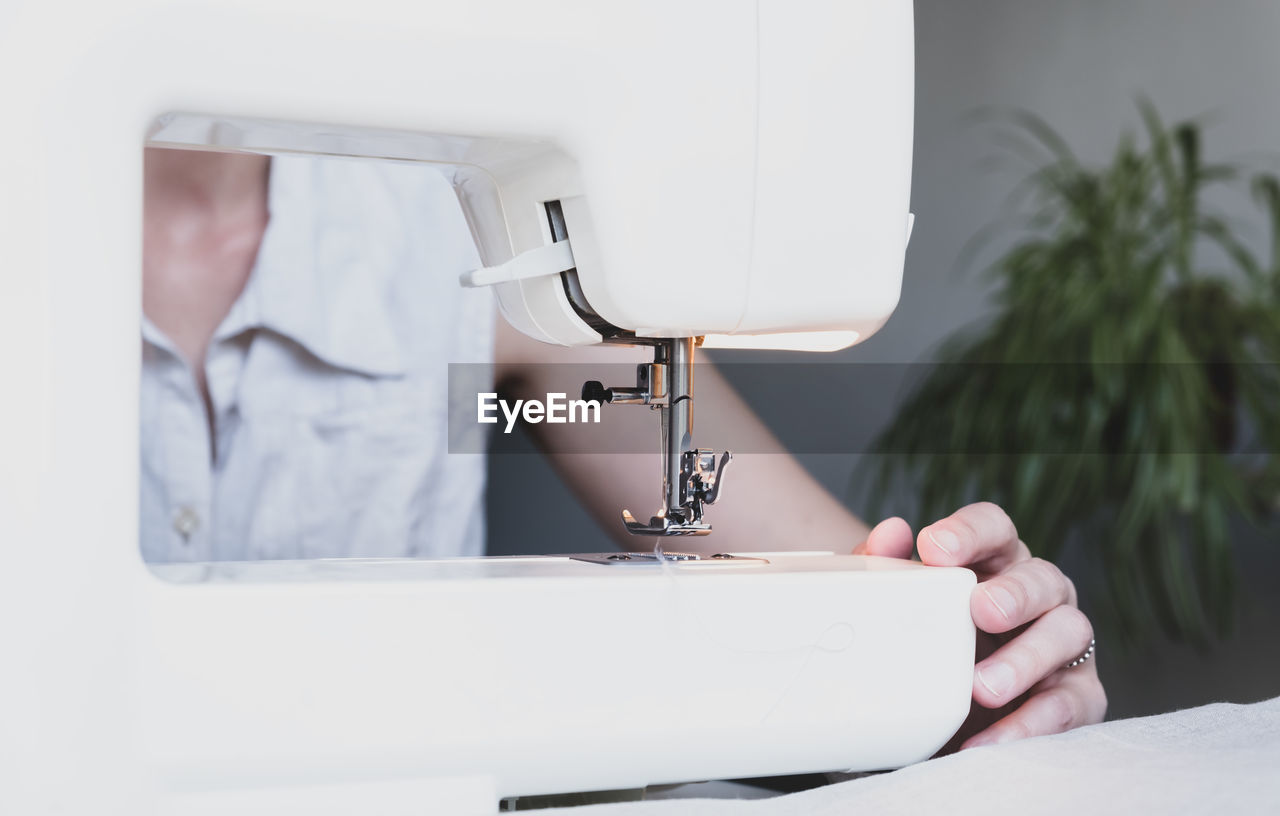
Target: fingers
<point x="979" y="534"/>
<point x="1058" y="637"/>
<point x="1020" y="594"/>
<point x="890" y="538"/>
<point x="1019" y="591"/>
<point x="1075" y="700"/>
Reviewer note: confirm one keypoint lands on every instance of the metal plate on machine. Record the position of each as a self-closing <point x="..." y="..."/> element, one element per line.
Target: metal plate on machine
<point x="617" y="559"/>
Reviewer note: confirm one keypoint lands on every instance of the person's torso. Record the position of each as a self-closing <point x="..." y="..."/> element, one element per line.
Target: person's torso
<point x="329" y="383"/>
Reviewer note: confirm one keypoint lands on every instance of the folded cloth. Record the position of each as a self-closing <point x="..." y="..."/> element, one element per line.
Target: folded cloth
<point x="1220" y="758"/>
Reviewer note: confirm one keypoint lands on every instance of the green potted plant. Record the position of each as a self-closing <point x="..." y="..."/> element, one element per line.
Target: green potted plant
<point x="1125" y="397"/>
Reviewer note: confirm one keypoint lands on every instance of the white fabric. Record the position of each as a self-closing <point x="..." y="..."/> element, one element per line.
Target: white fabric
<point x="1217" y="759"/>
<point x="329" y="382"/>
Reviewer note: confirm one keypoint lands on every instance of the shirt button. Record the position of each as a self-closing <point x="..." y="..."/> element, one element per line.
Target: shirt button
<point x="185" y="522"/>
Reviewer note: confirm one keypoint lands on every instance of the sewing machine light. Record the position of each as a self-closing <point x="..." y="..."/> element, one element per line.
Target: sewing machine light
<point x="784" y="341"/>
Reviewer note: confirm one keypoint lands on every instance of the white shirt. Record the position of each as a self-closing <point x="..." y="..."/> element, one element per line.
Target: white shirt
<point x="329" y="383"/>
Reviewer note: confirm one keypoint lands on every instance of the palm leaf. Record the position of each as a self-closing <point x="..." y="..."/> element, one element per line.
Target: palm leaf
<point x="1099" y="403"/>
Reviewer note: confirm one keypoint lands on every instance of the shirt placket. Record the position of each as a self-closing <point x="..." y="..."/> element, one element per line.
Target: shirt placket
<point x="186" y="452"/>
<point x="222" y="375"/>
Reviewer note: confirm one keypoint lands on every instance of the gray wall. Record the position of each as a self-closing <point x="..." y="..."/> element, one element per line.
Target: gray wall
<point x="1080" y="65"/>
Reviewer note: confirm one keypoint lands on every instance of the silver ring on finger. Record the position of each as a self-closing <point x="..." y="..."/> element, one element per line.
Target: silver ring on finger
<point x="1084" y="658"/>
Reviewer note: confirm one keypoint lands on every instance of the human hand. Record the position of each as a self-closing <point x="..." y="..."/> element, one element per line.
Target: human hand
<point x="1029" y="627"/>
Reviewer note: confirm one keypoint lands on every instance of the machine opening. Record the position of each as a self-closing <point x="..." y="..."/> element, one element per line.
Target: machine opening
<point x="300" y="305"/>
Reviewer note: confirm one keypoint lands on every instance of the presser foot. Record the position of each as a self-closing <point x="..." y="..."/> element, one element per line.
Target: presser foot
<point x="640" y="559"/>
<point x="664" y="526"/>
<point x="702" y="477"/>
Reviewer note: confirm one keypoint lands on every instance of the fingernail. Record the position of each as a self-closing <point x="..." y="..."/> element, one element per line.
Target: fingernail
<point x="944" y="540"/>
<point x="997" y="677"/>
<point x="1001" y="599"/>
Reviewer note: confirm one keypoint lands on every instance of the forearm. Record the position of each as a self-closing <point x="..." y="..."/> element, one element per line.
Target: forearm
<point x="770" y="502"/>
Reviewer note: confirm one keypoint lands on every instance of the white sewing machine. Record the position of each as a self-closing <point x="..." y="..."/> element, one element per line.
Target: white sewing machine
<point x="635" y="173"/>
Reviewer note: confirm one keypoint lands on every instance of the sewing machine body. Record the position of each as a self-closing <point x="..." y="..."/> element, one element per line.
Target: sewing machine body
<point x="393" y="687"/>
<point x="477" y="679"/>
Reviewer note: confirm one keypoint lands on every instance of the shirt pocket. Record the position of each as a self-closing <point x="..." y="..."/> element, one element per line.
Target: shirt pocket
<point x="371" y="480"/>
<point x="353" y="483"/>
